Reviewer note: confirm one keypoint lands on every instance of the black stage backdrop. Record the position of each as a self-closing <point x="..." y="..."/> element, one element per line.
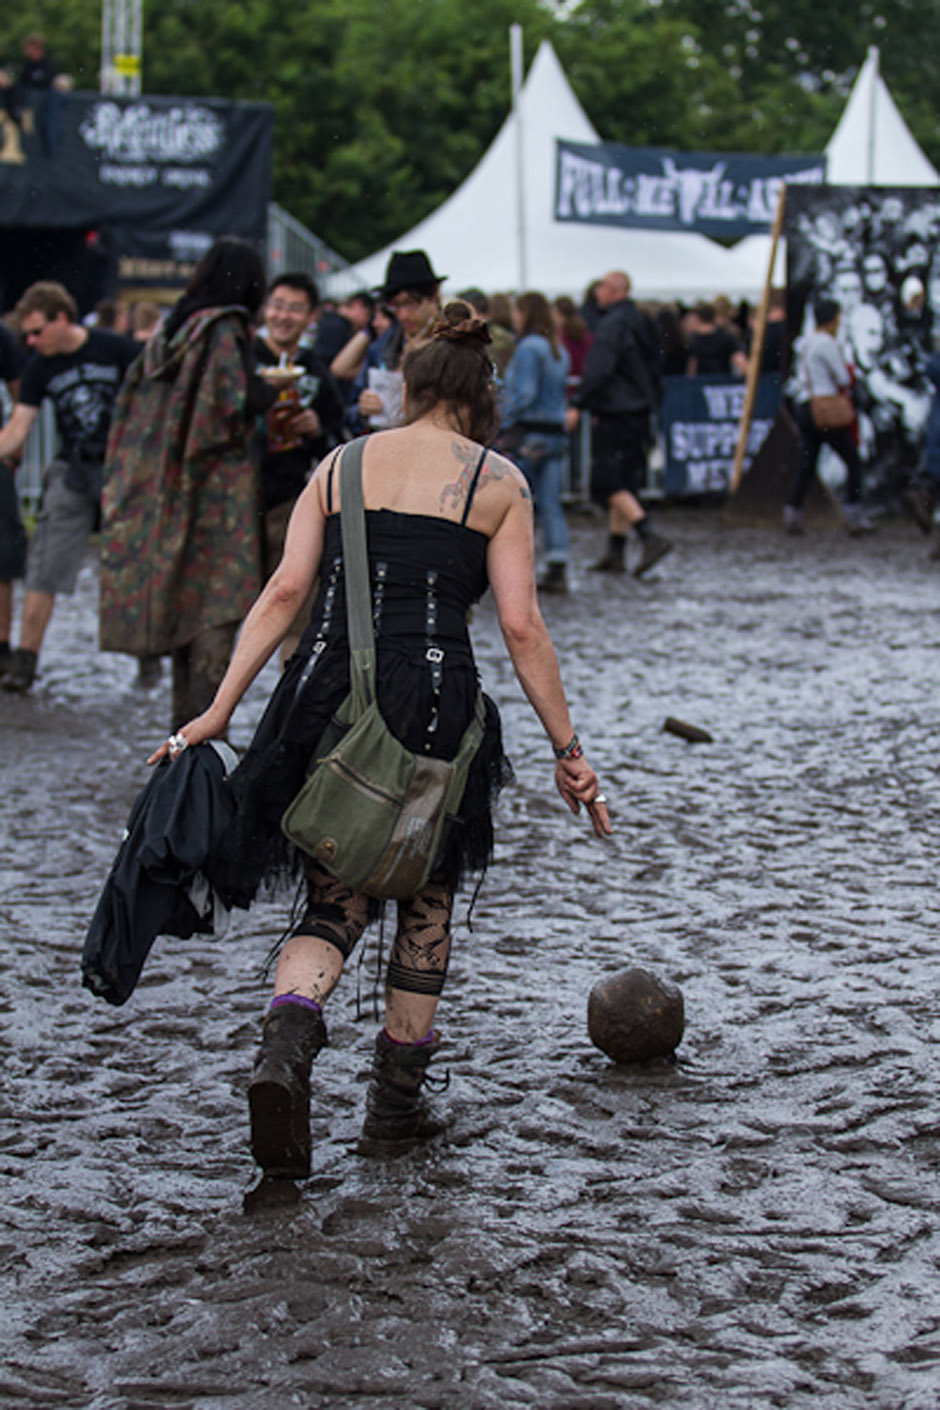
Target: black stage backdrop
<point x="863" y="245"/>
<point x="163" y="177"/>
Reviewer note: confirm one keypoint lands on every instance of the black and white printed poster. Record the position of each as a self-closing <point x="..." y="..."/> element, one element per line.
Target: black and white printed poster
<point x="877" y="251"/>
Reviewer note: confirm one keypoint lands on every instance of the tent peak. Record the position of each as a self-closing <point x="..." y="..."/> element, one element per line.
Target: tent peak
<point x="872" y="144"/>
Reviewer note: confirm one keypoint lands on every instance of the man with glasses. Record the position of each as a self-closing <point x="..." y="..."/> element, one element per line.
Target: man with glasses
<point x="80" y="369"/>
<point x="292" y="445"/>
<point x="411" y="293"/>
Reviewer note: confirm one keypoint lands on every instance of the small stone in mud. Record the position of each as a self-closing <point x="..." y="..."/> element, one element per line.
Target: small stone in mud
<point x="633" y="1016"/>
<point x="694" y="734"/>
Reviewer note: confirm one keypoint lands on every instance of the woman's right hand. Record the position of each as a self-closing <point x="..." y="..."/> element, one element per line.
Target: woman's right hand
<point x="208" y="725"/>
<point x="577" y="783"/>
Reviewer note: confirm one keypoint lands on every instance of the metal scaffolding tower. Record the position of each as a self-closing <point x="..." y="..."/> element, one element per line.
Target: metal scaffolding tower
<point x="121" y="39"/>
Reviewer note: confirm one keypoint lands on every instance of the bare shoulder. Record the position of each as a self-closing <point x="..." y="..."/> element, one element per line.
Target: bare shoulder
<point x="316" y="485"/>
<point x="495" y="472"/>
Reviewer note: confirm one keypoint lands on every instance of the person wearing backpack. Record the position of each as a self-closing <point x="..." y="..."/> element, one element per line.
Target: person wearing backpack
<point x="445" y="519"/>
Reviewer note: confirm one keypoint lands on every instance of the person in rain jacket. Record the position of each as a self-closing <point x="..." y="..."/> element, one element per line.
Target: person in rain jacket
<point x="180" y="554"/>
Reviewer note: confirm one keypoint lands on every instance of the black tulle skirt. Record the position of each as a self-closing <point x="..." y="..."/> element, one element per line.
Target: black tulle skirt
<point x="255" y="854"/>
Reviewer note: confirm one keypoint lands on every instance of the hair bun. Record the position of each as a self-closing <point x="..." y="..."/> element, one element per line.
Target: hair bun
<point x="460" y="323"/>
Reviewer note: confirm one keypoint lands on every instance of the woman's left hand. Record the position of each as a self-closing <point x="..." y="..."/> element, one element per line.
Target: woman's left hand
<point x="577" y="783"/>
<point x="206" y="726"/>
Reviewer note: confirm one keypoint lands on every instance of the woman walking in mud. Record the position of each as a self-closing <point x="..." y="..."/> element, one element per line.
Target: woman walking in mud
<point x="445" y="519"/>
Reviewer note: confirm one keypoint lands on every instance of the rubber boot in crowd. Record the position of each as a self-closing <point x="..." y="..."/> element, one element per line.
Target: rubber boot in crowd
<point x="396" y="1108"/>
<point x="554" y="579"/>
<point x="279" y="1091"/>
<point x="653" y="547"/>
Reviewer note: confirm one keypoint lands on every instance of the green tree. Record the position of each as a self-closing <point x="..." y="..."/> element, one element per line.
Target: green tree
<point x="382" y="108"/>
<point x="793" y="62"/>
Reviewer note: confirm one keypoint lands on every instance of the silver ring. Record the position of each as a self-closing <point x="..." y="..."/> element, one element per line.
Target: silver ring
<point x="599" y="798"/>
<point x="177" y="743"/>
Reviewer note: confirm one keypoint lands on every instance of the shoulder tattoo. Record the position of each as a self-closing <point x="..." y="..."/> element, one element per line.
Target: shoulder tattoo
<point x="454" y="494"/>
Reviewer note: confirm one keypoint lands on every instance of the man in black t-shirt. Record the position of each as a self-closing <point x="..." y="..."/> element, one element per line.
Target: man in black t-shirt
<point x="714" y="351"/>
<point x="12" y="533"/>
<point x="291" y="445"/>
<point x="80" y="370"/>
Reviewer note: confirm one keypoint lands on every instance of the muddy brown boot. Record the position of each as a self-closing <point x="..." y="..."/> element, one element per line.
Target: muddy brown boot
<point x="396" y="1109"/>
<point x="279" y="1091"/>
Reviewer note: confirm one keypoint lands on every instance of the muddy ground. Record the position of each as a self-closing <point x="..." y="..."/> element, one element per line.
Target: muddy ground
<point x="755" y="1225"/>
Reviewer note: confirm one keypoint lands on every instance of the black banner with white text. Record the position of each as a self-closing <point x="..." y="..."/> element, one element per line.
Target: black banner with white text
<point x="723" y="195"/>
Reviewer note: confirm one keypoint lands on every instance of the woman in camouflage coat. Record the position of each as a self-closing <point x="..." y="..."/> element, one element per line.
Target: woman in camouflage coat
<point x="180" y="554"/>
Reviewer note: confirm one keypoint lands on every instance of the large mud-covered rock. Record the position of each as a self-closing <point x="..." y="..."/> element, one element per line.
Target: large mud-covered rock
<point x="634" y="1016"/>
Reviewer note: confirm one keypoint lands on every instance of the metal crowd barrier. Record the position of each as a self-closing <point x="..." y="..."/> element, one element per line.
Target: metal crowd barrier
<point x="41" y="446"/>
<point x="42" y="443"/>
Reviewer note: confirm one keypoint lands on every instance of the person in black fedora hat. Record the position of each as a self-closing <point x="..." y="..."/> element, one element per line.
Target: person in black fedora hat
<point x="411" y="271"/>
<point x="410" y="292"/>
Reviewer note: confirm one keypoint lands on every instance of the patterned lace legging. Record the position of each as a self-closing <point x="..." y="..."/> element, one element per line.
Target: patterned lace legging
<point x="338" y="914"/>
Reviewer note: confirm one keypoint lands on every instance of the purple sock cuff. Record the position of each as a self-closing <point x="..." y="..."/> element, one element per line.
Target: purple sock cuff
<point x="421" y="1043"/>
<point x="282" y="999"/>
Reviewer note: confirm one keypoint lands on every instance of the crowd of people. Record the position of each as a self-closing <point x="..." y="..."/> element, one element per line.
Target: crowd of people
<point x="289" y="378"/>
<point x="284" y="379"/>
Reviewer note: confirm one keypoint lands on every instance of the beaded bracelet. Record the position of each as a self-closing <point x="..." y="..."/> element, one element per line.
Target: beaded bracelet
<point x="572" y="749"/>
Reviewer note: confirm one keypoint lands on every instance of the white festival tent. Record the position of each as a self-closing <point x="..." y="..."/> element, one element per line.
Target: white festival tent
<point x="873" y="145"/>
<point x="473" y="238"/>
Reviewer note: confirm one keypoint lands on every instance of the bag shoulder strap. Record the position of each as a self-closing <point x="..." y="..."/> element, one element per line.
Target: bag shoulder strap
<point x="352" y="517"/>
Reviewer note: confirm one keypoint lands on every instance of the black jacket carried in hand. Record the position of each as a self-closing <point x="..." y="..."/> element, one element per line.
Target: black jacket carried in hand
<point x="621" y="372"/>
<point x="156" y="885"/>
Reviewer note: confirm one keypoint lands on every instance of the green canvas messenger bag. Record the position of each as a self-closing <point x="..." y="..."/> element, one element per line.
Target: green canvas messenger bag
<point x="372" y="812"/>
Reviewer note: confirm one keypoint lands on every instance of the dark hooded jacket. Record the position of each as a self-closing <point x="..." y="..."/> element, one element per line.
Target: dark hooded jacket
<point x="157" y="884"/>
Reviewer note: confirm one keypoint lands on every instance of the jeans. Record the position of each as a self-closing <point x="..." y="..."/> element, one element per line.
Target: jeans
<point x="811" y="441"/>
<point x="541" y="458"/>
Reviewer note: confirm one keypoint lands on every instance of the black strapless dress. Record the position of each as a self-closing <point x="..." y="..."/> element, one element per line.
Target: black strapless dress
<point x="426" y="574"/>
